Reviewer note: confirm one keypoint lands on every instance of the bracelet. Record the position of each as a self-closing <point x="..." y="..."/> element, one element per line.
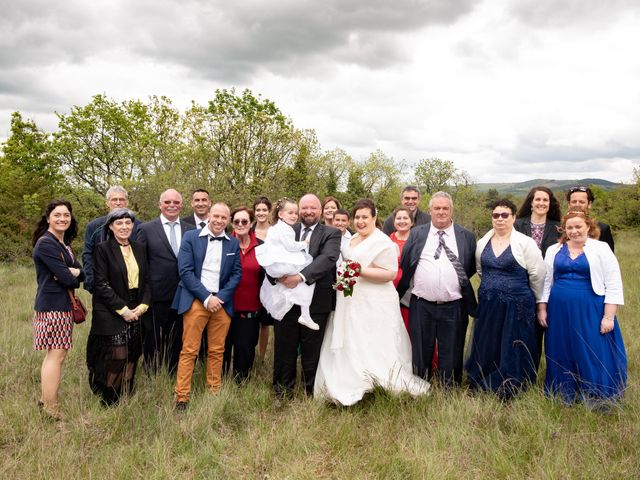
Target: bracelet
<point x="607" y="317"/>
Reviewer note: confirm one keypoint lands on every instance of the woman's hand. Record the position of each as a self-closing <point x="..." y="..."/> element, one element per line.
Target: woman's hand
<point x="542" y="314"/>
<point x="129" y="315"/>
<point x="606" y="324"/>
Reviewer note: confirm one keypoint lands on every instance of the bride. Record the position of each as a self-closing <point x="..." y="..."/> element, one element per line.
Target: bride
<point x="366" y="343"/>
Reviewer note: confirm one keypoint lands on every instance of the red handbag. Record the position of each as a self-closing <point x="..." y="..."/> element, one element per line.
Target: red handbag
<point x="77" y="308"/>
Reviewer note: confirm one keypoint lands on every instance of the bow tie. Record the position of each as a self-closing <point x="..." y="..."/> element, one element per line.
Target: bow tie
<point x="211" y="239"/>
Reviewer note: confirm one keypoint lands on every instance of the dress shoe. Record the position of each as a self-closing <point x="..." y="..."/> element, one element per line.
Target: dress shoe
<point x="181" y="407"/>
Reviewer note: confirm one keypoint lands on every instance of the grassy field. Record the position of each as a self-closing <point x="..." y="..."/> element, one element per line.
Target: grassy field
<point x="237" y="434"/>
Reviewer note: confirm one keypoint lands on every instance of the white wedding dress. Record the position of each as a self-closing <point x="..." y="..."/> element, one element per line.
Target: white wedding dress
<point x="366" y="343"/>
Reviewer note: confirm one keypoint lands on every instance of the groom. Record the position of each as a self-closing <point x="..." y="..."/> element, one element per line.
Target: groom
<point x="324" y="247"/>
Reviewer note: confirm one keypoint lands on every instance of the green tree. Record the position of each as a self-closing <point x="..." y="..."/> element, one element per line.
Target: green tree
<point x="29" y="180"/>
<point x="434" y="174"/>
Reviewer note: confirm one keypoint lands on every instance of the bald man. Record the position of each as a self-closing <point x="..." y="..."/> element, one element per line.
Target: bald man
<point x="162" y="332"/>
<point x="324" y="247"/>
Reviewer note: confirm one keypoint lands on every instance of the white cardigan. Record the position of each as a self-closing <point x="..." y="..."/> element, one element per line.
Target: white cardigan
<point x="603" y="267"/>
<point x="526" y="253"/>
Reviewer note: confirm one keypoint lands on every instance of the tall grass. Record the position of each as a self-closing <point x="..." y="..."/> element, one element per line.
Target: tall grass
<point x="237" y="434"/>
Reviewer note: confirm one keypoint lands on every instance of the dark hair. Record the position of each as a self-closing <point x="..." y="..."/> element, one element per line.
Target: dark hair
<point x="594" y="230"/>
<point x="342" y="211"/>
<point x="260" y="200"/>
<point x="410" y="188"/>
<point x="199" y="190"/>
<point x="581" y="188"/>
<point x="43" y="225"/>
<point x="402" y="209"/>
<point x="504" y="202"/>
<point x="279" y="206"/>
<point x="117" y="214"/>
<point x="331" y="199"/>
<point x="364" y="203"/>
<point x="242" y="208"/>
<point x="527" y="204"/>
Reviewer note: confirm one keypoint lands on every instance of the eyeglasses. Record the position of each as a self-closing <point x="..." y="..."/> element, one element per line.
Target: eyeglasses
<point x="504" y="215"/>
<point x="241" y="222"/>
<point x="578" y="189"/>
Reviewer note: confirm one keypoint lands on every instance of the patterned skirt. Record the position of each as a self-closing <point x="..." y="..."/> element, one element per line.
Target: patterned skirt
<point x="52" y="330"/>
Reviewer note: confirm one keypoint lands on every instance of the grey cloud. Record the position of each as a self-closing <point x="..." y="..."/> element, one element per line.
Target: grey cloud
<point x="555" y="14"/>
<point x="223" y="40"/>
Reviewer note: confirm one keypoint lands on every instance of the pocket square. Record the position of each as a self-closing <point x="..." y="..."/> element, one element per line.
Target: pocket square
<point x="232" y="253"/>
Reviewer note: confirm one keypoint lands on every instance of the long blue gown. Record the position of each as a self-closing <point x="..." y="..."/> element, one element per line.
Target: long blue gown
<point x="582" y="364"/>
<point x="503" y="348"/>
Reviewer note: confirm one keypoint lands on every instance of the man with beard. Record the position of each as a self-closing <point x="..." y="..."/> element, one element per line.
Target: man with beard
<point x="324" y="247"/>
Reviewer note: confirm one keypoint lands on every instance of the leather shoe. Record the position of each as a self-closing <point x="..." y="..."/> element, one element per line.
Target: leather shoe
<point x="181" y="406"/>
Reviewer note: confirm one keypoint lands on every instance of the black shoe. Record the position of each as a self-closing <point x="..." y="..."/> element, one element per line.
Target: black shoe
<point x="181" y="406"/>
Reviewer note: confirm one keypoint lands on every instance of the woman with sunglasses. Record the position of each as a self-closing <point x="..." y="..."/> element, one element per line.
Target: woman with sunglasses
<point x="245" y="325"/>
<point x="503" y="347"/>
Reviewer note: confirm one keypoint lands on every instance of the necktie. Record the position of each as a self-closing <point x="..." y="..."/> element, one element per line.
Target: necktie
<point x="305" y="233"/>
<point x="173" y="241"/>
<point x="457" y="266"/>
<point x="202" y="224"/>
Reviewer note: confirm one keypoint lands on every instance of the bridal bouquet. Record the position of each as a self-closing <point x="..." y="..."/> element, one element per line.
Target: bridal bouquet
<point x="347" y="275"/>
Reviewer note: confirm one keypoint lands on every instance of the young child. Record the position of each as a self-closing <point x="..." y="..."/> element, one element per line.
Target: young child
<point x="280" y="255"/>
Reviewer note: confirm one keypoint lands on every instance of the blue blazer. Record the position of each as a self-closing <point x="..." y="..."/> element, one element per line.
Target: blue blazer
<point x="52" y="262"/>
<point x="190" y="259"/>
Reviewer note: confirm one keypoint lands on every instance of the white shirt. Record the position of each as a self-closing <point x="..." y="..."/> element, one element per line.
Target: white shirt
<point x="198" y="221"/>
<point x="167" y="229"/>
<point x="210" y="275"/>
<point x="436" y="280"/>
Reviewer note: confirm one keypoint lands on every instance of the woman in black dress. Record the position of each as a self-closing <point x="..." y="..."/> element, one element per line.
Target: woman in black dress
<point x="121" y="297"/>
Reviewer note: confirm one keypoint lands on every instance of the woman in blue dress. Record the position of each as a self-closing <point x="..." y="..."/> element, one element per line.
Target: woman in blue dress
<point x="586" y="359"/>
<point x="503" y="348"/>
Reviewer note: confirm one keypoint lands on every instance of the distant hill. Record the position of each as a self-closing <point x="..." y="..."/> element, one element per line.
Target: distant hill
<point x="522" y="188"/>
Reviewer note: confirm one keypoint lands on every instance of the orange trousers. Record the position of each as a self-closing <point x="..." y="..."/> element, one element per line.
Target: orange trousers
<point x="195" y="321"/>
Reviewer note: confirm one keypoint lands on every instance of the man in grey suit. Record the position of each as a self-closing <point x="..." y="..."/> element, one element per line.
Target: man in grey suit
<point x="437" y="263"/>
<point x="162" y="332"/>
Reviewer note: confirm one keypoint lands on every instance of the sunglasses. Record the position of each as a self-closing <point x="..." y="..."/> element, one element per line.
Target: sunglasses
<point x="577" y="189"/>
<point x="241" y="222"/>
<point x="504" y="215"/>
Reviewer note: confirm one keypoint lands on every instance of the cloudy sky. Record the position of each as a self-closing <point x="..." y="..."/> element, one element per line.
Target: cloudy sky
<point x="508" y="90"/>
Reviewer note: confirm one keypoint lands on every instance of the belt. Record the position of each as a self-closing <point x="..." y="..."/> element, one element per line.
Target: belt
<point x="439" y="302"/>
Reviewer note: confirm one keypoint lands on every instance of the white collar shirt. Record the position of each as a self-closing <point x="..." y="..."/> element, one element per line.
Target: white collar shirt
<point x="210" y="275"/>
<point x="436" y="280"/>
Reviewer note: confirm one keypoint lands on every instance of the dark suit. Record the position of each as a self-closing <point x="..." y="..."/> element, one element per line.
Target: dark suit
<point x="550" y="235"/>
<point x="162" y="330"/>
<point x="190" y="220"/>
<point x="93" y="235"/>
<point x="445" y="323"/>
<point x="606" y="235"/>
<point x="420" y="218"/>
<point x="324" y="247"/>
<point x="111" y="289"/>
<point x="52" y="261"/>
